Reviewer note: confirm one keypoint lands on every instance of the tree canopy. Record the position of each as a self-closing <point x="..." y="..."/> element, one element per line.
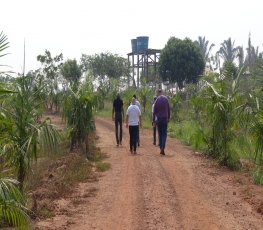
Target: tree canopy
<point x="105" y="65"/>
<point x="71" y="71"/>
<point x="180" y="62"/>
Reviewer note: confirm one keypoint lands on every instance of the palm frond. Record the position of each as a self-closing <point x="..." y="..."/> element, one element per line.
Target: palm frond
<point x="12" y="204"/>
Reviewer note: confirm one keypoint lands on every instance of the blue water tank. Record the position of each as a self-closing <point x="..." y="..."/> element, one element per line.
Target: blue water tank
<point x="134" y="45"/>
<point x="142" y="43"/>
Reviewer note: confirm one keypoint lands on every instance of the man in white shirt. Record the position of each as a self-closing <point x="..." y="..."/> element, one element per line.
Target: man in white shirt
<point x="138" y="133"/>
<point x="133" y="120"/>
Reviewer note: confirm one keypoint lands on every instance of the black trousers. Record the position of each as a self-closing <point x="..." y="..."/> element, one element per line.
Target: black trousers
<point x="133" y="131"/>
<point x="118" y="127"/>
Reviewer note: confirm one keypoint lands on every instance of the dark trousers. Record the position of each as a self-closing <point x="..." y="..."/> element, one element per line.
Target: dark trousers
<point x="133" y="130"/>
<point x="118" y="126"/>
<point x="162" y="131"/>
<point x="138" y="136"/>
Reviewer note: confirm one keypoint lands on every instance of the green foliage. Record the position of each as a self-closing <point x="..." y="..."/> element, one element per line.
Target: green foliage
<point x="78" y="113"/>
<point x="145" y="95"/>
<point x="71" y="71"/>
<point x="258" y="175"/>
<point x="175" y="103"/>
<point x="127" y="96"/>
<point x="257" y="131"/>
<point x="190" y="132"/>
<point x="228" y="51"/>
<point x="230" y="69"/>
<point x="205" y="48"/>
<point x="23" y="133"/>
<point x="105" y="65"/>
<point x="4" y="44"/>
<point x="103" y="166"/>
<point x="223" y="107"/>
<point x="12" y="204"/>
<point x="181" y="62"/>
<point x="49" y="75"/>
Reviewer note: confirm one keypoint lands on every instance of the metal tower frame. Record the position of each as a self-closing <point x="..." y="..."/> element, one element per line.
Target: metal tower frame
<point x="141" y="60"/>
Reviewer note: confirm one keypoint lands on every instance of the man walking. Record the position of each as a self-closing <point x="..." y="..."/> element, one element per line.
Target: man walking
<point x="118" y="117"/>
<point x="133" y="119"/>
<point x="138" y="133"/>
<point x="162" y="112"/>
<point x="154" y="122"/>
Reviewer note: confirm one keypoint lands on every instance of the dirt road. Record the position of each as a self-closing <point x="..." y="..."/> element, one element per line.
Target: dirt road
<point x="181" y="190"/>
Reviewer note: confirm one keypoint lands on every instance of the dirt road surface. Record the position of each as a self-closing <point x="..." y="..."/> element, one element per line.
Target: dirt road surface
<point x="182" y="190"/>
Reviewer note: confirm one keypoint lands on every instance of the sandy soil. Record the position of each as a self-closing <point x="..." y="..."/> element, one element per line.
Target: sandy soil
<point x="182" y="190"/>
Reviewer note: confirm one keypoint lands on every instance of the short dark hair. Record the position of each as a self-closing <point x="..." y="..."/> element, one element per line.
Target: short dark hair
<point x="134" y="96"/>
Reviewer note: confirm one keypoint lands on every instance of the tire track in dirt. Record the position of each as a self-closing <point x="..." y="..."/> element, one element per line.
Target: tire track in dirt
<point x="148" y="191"/>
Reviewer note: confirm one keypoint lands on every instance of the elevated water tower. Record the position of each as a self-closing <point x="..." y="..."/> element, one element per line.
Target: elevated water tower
<point x="141" y="58"/>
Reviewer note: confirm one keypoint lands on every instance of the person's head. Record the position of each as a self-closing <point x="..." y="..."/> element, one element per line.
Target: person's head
<point x="118" y="96"/>
<point x="133" y="101"/>
<point x="154" y="98"/>
<point x="134" y="96"/>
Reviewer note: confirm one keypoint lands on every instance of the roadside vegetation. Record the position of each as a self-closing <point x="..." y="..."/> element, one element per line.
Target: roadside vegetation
<point x="216" y="107"/>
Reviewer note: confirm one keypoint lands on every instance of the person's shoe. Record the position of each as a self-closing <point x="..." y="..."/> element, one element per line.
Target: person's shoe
<point x="154" y="143"/>
<point x="134" y="152"/>
<point x="162" y="152"/>
<point x="138" y="144"/>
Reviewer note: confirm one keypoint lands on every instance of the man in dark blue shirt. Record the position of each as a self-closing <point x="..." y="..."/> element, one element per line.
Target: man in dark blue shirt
<point x="118" y="117"/>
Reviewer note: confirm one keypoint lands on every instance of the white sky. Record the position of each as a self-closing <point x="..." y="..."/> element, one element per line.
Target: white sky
<point x="94" y="26"/>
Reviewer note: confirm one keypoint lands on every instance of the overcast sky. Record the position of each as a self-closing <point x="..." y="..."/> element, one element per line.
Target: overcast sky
<point x="94" y="26"/>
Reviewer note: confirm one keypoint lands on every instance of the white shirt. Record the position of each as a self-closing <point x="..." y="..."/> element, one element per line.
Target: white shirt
<point x="133" y="113"/>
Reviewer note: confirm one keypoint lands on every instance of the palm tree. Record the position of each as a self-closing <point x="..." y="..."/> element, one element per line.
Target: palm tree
<point x="223" y="105"/>
<point x="26" y="135"/>
<point x="252" y="55"/>
<point x="78" y="113"/>
<point x="228" y="51"/>
<point x="12" y="202"/>
<point x="240" y="56"/>
<point x="205" y="49"/>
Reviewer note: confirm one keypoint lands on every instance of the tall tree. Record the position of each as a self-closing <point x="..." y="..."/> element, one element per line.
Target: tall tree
<point x="105" y="65"/>
<point x="71" y="71"/>
<point x="252" y="55"/>
<point x="228" y="51"/>
<point x="181" y="62"/>
<point x="50" y="73"/>
<point x="205" y="48"/>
